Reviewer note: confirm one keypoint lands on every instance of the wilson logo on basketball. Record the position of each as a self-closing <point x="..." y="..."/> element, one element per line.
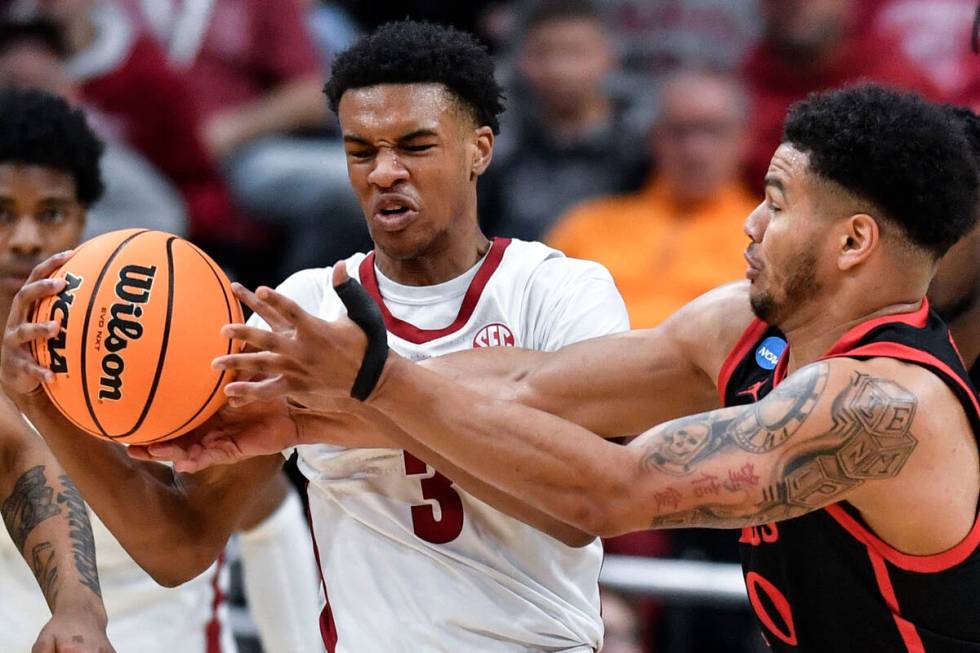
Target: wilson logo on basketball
<point x="494" y="335"/>
<point x="133" y="289"/>
<point x="59" y="312"/>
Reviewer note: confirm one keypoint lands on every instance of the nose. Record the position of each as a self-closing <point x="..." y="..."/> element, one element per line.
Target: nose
<point x="26" y="237"/>
<point x="388" y="170"/>
<point x="756" y="223"/>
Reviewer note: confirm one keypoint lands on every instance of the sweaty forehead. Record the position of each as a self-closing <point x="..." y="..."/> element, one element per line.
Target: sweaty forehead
<point x="393" y="109"/>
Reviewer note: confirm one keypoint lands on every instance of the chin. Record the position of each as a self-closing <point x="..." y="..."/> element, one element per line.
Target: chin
<point x="763" y="306"/>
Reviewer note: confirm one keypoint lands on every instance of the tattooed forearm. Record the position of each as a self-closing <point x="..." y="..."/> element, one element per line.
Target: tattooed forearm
<point x="759" y="428"/>
<point x="45" y="568"/>
<point x="31" y="502"/>
<point x="869" y="438"/>
<point x="80" y="532"/>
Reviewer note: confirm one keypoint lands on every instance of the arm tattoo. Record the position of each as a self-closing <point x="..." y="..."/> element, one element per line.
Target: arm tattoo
<point x="80" y="532"/>
<point x="31" y="503"/>
<point x="869" y="439"/>
<point x="759" y="428"/>
<point x="45" y="569"/>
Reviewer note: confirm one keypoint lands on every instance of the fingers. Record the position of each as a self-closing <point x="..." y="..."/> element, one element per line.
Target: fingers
<point x="49" y="265"/>
<point x="266" y="312"/>
<point x="265" y="363"/>
<point x="29" y="294"/>
<point x="26" y="332"/>
<point x="287" y="308"/>
<point x="258" y="339"/>
<point x="242" y="392"/>
<point x="339" y="273"/>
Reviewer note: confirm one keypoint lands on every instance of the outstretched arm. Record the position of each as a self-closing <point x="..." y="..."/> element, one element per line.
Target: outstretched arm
<point x="620" y="384"/>
<point x="48" y="524"/>
<point x="807" y="444"/>
<point x="173" y="525"/>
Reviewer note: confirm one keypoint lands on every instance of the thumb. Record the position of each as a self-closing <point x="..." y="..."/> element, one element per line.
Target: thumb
<point x="340" y="273"/>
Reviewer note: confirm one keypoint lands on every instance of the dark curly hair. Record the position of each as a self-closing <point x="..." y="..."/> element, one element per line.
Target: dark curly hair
<point x="907" y="156"/>
<point x="970" y="123"/>
<point x="42" y="129"/>
<point x="412" y="52"/>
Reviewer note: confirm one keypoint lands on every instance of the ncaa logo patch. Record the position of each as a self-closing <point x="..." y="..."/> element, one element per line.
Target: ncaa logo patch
<point x="494" y="335"/>
<point x="768" y="353"/>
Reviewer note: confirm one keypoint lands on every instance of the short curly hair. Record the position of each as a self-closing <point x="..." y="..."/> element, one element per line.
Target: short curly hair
<point x="970" y="123"/>
<point x="42" y="129"/>
<point x="413" y="52"/>
<point x="907" y="156"/>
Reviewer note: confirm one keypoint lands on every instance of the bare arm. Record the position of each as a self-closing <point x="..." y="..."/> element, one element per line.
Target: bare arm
<point x="621" y="384"/>
<point x="49" y="525"/>
<point x="806" y="445"/>
<point x="173" y="525"/>
<point x="297" y="104"/>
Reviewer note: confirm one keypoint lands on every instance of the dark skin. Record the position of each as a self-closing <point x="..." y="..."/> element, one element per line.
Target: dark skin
<point x="409" y="147"/>
<point x="747" y="456"/>
<point x="955" y="294"/>
<point x="40" y="506"/>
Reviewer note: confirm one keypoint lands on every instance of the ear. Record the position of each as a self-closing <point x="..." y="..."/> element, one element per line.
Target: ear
<point x="858" y="239"/>
<point x="482" y="151"/>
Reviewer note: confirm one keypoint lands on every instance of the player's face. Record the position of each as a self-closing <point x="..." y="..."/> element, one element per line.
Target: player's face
<point x="39" y="216"/>
<point x="785" y="232"/>
<point x="413" y="156"/>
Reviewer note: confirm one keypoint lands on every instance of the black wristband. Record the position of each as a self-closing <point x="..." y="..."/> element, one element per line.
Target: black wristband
<point x="362" y="310"/>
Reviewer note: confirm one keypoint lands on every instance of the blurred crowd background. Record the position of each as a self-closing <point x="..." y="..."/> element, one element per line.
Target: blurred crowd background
<point x="637" y="134"/>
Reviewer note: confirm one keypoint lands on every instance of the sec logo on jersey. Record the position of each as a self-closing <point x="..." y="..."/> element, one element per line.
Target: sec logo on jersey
<point x="494" y="335"/>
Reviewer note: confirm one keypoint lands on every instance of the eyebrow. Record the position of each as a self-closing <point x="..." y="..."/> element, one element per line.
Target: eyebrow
<point x="776" y="183"/>
<point x="418" y="133"/>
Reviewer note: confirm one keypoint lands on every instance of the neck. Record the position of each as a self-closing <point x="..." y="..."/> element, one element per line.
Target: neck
<point x="572" y="122"/>
<point x="824" y="326"/>
<point x="967" y="335"/>
<point x="441" y="262"/>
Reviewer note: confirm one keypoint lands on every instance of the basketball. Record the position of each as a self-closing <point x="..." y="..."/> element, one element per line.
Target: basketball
<point x="140" y="318"/>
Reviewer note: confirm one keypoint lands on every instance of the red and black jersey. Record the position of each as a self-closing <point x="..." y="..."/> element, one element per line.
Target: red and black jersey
<point x="825" y="581"/>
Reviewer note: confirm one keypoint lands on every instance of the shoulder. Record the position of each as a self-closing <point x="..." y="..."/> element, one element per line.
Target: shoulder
<point x="311" y="287"/>
<point x="556" y="277"/>
<point x="708" y="327"/>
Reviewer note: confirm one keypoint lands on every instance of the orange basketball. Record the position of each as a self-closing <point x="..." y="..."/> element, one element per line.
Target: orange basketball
<point x="140" y="319"/>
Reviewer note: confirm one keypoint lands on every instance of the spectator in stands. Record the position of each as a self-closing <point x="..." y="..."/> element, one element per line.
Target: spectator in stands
<point x="123" y="74"/>
<point x="936" y="37"/>
<point x="258" y="80"/>
<point x="682" y="234"/>
<point x="566" y="138"/>
<point x="136" y="194"/>
<point x="807" y="46"/>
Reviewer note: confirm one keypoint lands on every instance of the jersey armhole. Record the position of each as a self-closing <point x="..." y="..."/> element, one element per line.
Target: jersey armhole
<point x="738" y="352"/>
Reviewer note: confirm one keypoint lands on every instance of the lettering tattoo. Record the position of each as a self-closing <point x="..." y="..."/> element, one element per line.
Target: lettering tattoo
<point x="869" y="439"/>
<point x="31" y="503"/>
<point x="80" y="533"/>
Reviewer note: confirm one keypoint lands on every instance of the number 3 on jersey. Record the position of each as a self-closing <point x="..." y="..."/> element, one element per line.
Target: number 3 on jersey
<point x="440" y="489"/>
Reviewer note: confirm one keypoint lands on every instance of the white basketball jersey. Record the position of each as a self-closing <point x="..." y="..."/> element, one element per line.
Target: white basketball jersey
<point x="143" y="616"/>
<point x="411" y="562"/>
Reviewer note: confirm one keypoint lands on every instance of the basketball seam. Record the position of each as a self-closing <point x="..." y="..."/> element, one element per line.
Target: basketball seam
<point x="221" y="377"/>
<point x="88" y="317"/>
<point x="163" y="347"/>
